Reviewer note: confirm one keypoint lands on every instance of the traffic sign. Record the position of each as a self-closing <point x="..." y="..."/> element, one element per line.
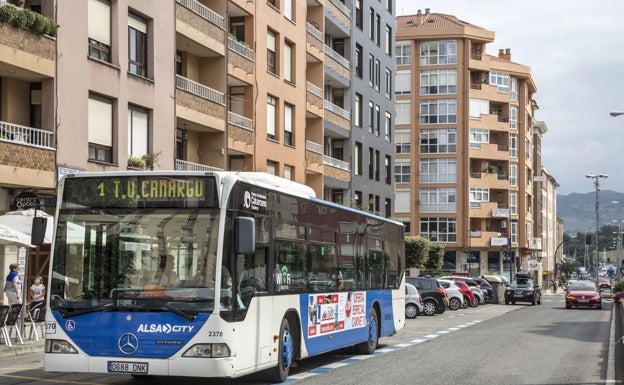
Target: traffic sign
<point x="611" y="272"/>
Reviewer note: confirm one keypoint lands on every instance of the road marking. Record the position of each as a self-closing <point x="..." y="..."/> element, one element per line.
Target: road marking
<point x="48" y="380"/>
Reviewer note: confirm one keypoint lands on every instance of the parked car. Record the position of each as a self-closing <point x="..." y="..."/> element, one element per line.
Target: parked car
<point x="434" y="296"/>
<point x="456" y="298"/>
<point x="413" y="301"/>
<point x="474" y="287"/>
<point x="523" y="289"/>
<point x="469" y="296"/>
<point x="486" y="288"/>
<point x="583" y="294"/>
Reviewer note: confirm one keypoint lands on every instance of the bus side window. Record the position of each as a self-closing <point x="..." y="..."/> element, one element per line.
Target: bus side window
<point x="253" y="276"/>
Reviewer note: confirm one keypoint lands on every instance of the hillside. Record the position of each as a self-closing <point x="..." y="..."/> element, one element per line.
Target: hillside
<point x="578" y="211"/>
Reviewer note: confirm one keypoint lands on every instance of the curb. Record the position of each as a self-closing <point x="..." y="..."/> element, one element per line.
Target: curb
<point x="18" y="350"/>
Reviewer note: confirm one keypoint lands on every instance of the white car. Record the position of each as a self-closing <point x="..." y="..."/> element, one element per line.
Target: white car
<point x="456" y="298"/>
<point x="413" y="301"/>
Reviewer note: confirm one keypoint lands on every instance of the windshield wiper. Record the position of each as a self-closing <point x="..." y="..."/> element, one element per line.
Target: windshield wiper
<point x="66" y="312"/>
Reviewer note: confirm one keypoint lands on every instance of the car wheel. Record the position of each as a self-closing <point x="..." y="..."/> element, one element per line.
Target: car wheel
<point x="430" y="307"/>
<point x="465" y="303"/>
<point x="474" y="303"/>
<point x="411" y="311"/>
<point x="506" y="302"/>
<point x="454" y="303"/>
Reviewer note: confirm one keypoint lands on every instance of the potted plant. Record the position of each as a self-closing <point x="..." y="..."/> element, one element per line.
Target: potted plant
<point x="135" y="162"/>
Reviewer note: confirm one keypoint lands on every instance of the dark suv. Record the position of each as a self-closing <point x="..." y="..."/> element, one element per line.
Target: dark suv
<point x="523" y="289"/>
<point x="434" y="296"/>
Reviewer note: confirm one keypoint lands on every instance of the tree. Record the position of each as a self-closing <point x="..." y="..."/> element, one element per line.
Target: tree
<point x="435" y="257"/>
<point x="416" y="251"/>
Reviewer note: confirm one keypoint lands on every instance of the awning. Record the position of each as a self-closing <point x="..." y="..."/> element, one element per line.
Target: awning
<point x="10" y="236"/>
<point x="21" y="221"/>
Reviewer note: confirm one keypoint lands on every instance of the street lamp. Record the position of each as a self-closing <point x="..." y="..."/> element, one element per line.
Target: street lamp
<point x="596" y="178"/>
<point x="616" y="113"/>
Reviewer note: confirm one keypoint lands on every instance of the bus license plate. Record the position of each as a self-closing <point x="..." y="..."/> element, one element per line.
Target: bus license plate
<point x="127" y="367"/>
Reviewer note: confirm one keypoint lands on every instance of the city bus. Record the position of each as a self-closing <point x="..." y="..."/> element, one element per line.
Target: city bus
<point x="214" y="274"/>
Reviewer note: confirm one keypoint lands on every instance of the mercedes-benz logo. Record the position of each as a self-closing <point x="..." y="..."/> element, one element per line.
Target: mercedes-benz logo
<point x="128" y="343"/>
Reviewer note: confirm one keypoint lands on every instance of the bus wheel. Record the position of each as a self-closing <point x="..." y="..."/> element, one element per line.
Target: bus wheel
<point x="368" y="347"/>
<point x="285" y="354"/>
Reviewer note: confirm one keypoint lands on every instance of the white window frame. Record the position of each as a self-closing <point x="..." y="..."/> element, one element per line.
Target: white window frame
<point x="438" y="170"/>
<point x="479" y="136"/>
<point x="438" y="141"/>
<point x="402" y="142"/>
<point x="439" y="229"/>
<point x="438" y="82"/>
<point x="501" y="80"/>
<point x="438" y="200"/>
<point x="402" y="200"/>
<point x="513" y="174"/>
<point x="402" y="171"/>
<point x="403" y="113"/>
<point x="479" y="107"/>
<point x="403" y="82"/>
<point x="438" y="111"/>
<point x="439" y="52"/>
<point x="403" y="53"/>
<point x="513" y="145"/>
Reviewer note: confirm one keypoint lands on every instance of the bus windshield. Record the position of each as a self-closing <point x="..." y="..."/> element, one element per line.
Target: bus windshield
<point x="134" y="259"/>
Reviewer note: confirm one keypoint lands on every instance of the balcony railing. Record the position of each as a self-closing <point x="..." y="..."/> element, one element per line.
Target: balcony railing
<point x="314" y="147"/>
<point x="240" y="121"/>
<point x="314" y="89"/>
<point x="33" y="137"/>
<point x="314" y="31"/>
<point x="240" y="48"/>
<point x="337" y="57"/>
<point x="200" y="90"/>
<point x="343" y="8"/>
<point x="183" y="165"/>
<point x="204" y="12"/>
<point x="337" y="110"/>
<point x="341" y="164"/>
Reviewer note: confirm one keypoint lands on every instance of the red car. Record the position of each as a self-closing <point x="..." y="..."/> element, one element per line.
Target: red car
<point x="467" y="292"/>
<point x="604" y="284"/>
<point x="583" y="294"/>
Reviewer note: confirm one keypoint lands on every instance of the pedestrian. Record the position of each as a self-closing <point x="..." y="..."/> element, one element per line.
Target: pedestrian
<point x="554" y="286"/>
<point x="13" y="285"/>
<point x="38" y="290"/>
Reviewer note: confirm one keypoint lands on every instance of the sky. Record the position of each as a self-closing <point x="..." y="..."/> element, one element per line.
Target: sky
<point x="575" y="50"/>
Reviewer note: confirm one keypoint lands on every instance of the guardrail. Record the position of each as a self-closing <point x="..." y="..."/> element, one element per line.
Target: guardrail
<point x="200" y="90"/>
<point x="29" y="136"/>
<point x="201" y="10"/>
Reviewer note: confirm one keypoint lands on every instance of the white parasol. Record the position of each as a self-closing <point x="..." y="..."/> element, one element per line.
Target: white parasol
<point x="10" y="236"/>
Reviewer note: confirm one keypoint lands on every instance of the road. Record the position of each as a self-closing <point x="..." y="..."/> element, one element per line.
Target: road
<point x="491" y="344"/>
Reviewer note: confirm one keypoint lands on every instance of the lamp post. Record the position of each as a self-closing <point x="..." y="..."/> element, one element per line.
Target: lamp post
<point x="596" y="178"/>
<point x="619" y="235"/>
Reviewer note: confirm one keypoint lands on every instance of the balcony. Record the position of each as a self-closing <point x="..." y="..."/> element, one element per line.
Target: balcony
<point x="26" y="55"/>
<point x="314" y="99"/>
<point x="200" y="104"/>
<point x="241" y="61"/>
<point x="337" y="116"/>
<point x="339" y="14"/>
<point x="200" y="29"/>
<point x="315" y="42"/>
<point x="336" y="169"/>
<point x="27" y="156"/>
<point x="182" y="165"/>
<point x="240" y="133"/>
<point x="314" y="156"/>
<point x="337" y="66"/>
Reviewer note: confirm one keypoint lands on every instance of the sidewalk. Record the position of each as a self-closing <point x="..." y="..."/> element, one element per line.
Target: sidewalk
<point x="30" y="346"/>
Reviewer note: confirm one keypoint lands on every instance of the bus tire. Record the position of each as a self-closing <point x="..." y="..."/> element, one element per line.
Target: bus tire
<point x="285" y="354"/>
<point x="368" y="347"/>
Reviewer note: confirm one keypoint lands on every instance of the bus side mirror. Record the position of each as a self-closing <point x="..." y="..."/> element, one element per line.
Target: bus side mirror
<point x="244" y="235"/>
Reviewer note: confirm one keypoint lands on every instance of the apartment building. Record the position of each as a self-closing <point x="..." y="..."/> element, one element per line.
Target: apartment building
<point x="300" y="89"/>
<point x="465" y="162"/>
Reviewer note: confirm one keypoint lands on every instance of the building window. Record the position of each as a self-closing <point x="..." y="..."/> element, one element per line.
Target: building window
<point x="371" y="70"/>
<point x="439" y="229"/>
<point x="288" y="59"/>
<point x="359" y="14"/>
<point x="138" y="127"/>
<point x="357" y="158"/>
<point x="479" y="136"/>
<point x="402" y="142"/>
<point x="271" y="55"/>
<point x="271" y="117"/>
<point x="442" y="141"/>
<point x="377" y="74"/>
<point x="371" y="116"/>
<point x="402" y="171"/>
<point x="513" y="117"/>
<point x="513" y="145"/>
<point x="403" y="112"/>
<point x="403" y="83"/>
<point x="100" y="129"/>
<point x="99" y="19"/>
<point x="513" y="202"/>
<point x="403" y="53"/>
<point x="289" y="172"/>
<point x="513" y="90"/>
<point x="438" y="111"/>
<point x="388" y="40"/>
<point x="378" y="30"/>
<point x="288" y="10"/>
<point x="271" y="167"/>
<point x="402" y="201"/>
<point x="371" y="163"/>
<point x="479" y="194"/>
<point x="377" y="120"/>
<point x="439" y="170"/>
<point x="371" y="203"/>
<point x="388" y="83"/>
<point x="479" y="107"/>
<point x="237" y="28"/>
<point x="388" y="207"/>
<point x="388" y="167"/>
<point x="137" y="46"/>
<point x="377" y="165"/>
<point x="288" y="124"/>
<point x="371" y="19"/>
<point x="513" y="174"/>
<point x="438" y="52"/>
<point x="436" y="82"/>
<point x="273" y="3"/>
<point x="358" y="110"/>
<point x="388" y="127"/>
<point x="438" y="200"/>
<point x="358" y="61"/>
<point x="501" y="80"/>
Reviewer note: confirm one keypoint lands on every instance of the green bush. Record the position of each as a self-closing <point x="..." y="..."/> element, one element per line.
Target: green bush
<point x="618" y="287"/>
<point x="8" y="13"/>
<point x="28" y="20"/>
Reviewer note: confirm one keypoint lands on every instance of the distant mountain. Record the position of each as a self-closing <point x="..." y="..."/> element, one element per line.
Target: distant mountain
<point x="578" y="211"/>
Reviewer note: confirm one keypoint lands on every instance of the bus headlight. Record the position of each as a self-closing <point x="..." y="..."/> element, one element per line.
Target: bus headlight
<point x="207" y="351"/>
<point x="59" y="346"/>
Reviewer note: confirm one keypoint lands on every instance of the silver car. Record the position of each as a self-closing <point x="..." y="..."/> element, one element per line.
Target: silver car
<point x="413" y="301"/>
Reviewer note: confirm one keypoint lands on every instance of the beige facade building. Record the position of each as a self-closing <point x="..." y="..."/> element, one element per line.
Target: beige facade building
<point x="199" y="85"/>
<point x="465" y="162"/>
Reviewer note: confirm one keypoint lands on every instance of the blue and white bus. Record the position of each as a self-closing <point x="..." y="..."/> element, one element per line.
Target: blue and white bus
<point x="214" y="274"/>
